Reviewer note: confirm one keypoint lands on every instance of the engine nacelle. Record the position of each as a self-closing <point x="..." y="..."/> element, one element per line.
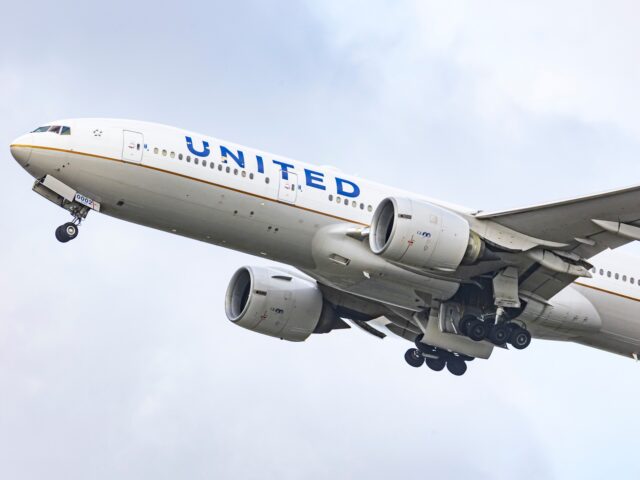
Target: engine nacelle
<point x="422" y="235"/>
<point x="278" y="303"/>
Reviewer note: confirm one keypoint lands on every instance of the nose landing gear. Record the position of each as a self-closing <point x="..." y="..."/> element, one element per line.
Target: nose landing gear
<point x="67" y="232"/>
<point x="70" y="230"/>
<point x="68" y="198"/>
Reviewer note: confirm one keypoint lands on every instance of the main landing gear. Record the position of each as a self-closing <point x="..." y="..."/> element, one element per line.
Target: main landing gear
<point x="497" y="333"/>
<point x="436" y="358"/>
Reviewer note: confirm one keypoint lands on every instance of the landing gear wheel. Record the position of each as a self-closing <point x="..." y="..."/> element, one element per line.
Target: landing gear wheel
<point x="520" y="338"/>
<point x="70" y="230"/>
<point x="414" y="357"/>
<point x="499" y="334"/>
<point x="463" y="326"/>
<point x="435" y="364"/>
<point x="66" y="232"/>
<point x="59" y="235"/>
<point x="476" y="330"/>
<point x="456" y="366"/>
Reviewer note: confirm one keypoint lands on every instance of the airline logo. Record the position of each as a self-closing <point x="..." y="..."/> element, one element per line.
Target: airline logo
<point x="312" y="178"/>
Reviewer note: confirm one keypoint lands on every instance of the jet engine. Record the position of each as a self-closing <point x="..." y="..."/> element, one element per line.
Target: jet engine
<point x="279" y="303"/>
<point x="419" y="234"/>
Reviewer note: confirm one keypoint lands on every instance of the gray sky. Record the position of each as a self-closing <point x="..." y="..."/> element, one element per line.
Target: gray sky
<point x="116" y="358"/>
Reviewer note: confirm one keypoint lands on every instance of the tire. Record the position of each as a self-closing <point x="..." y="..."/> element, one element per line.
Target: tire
<point x="499" y="334"/>
<point x="60" y="236"/>
<point x="414" y="357"/>
<point x="456" y="366"/>
<point x="520" y="338"/>
<point x="463" y="325"/>
<point x="477" y="330"/>
<point x="70" y="230"/>
<point x="435" y="364"/>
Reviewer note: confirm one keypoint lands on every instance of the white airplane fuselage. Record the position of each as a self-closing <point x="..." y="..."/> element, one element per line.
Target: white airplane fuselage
<point x="274" y="207"/>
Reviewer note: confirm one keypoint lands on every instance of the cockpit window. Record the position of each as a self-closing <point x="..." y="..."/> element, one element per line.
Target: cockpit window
<point x="60" y="130"/>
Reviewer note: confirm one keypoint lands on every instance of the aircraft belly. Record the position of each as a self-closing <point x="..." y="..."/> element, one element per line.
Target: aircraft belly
<point x="348" y="264"/>
<point x="620" y="332"/>
<point x="197" y="210"/>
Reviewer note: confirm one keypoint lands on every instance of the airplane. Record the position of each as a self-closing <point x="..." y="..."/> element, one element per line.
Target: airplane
<point x="454" y="282"/>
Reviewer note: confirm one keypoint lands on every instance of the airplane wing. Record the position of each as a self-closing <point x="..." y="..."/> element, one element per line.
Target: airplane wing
<point x="587" y="225"/>
<point x="572" y="221"/>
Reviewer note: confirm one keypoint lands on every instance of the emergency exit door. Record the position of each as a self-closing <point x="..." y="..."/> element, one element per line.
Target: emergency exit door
<point x="288" y="188"/>
<point x="132" y="145"/>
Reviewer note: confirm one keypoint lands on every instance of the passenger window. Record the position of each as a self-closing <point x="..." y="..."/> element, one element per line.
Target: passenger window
<point x="66" y="131"/>
<point x="266" y="180"/>
<point x="235" y="171"/>
<point x="204" y="163"/>
<point x="228" y="169"/>
<point x="331" y="198"/>
<point x="601" y="272"/>
<point x="369" y="208"/>
<point x="196" y="160"/>
<point x="179" y="156"/>
<point x="616" y="276"/>
<point x="608" y="273"/>
<point x="251" y="176"/>
<point x="173" y="155"/>
<point x="155" y="150"/>
<point x="244" y="173"/>
<point x="188" y="159"/>
<point x="338" y="200"/>
<point x="164" y="153"/>
<point x="624" y="278"/>
<point x="220" y="167"/>
<point x="211" y="165"/>
<point x="632" y="280"/>
<point x="362" y="206"/>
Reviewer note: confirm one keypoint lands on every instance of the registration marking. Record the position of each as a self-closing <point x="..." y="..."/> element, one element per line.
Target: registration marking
<point x="87" y="202"/>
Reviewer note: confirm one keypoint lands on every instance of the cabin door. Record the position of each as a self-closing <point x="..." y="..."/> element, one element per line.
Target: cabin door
<point x="132" y="145"/>
<point x="288" y="188"/>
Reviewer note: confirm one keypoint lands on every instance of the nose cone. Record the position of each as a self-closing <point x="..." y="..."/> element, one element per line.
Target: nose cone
<point x="21" y="149"/>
